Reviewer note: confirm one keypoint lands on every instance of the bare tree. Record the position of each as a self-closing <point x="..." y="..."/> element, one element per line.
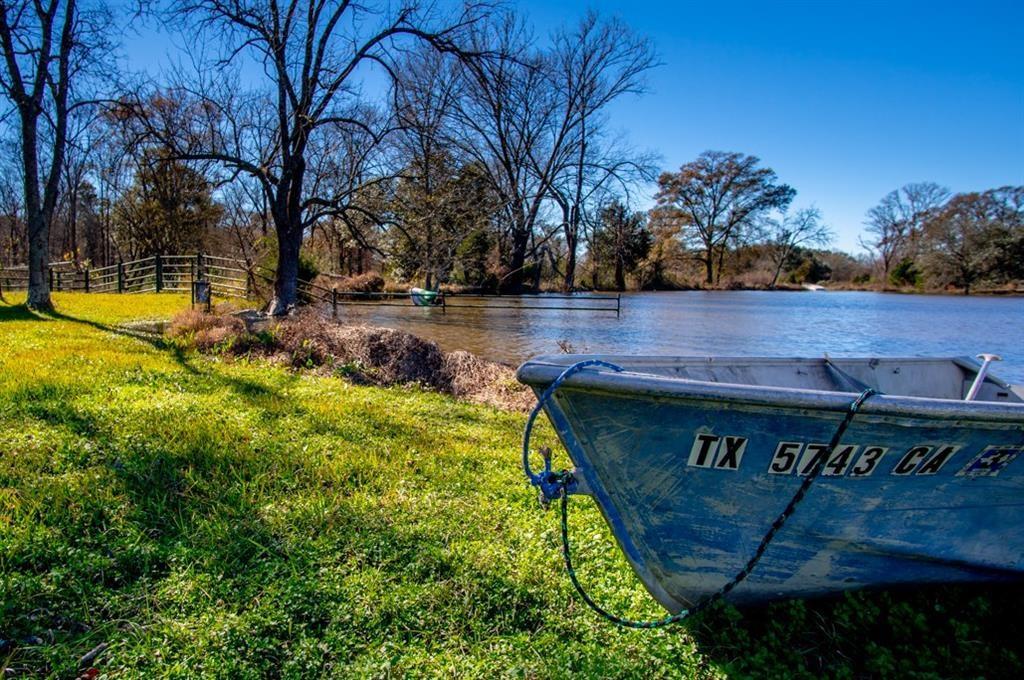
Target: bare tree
<point x="427" y="189"/>
<point x="535" y="121"/>
<point x="48" y="49"/>
<point x="312" y="56"/>
<point x="75" y="191"/>
<point x="895" y="223"/>
<point x="114" y="156"/>
<point x="792" y="231"/>
<point x="245" y="222"/>
<point x="591" y="66"/>
<point x="500" y="120"/>
<point x="714" y="197"/>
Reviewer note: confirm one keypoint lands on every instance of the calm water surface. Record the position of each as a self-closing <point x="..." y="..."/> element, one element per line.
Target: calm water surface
<point x="754" y="323"/>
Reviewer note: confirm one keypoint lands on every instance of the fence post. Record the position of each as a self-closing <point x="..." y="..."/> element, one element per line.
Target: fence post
<point x="334" y="302"/>
<point x="120" y="276"/>
<point x="51" y="277"/>
<point x="86" y="279"/>
<point x="59" y="281"/>
<point x="159" y="273"/>
<point x="618" y="305"/>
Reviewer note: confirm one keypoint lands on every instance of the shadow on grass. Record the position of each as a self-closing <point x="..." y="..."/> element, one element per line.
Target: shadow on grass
<point x="245" y="388"/>
<point x="944" y="631"/>
<point x="9" y="312"/>
<point x="193" y="541"/>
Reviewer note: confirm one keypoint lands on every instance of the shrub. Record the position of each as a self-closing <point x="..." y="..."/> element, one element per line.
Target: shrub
<point x="471" y="378"/>
<point x="371" y="282"/>
<point x="905" y="274"/>
<point x="219" y="331"/>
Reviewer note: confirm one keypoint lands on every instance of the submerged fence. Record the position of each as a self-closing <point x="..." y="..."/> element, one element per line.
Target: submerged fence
<point x="444" y="301"/>
<point x="228" y="277"/>
<point x="231" y="277"/>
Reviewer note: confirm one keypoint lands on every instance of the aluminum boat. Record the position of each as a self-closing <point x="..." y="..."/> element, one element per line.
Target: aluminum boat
<point x="691" y="459"/>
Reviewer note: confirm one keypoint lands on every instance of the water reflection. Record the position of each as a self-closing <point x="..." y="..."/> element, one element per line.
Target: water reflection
<point x="726" y="323"/>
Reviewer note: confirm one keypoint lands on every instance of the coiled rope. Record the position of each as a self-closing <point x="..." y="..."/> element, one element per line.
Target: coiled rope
<point x="558" y="484"/>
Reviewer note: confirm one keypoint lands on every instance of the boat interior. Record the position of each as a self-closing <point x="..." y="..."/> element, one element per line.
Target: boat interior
<point x="933" y="378"/>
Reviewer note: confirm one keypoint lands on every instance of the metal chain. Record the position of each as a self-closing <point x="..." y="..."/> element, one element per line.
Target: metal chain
<point x="564" y="478"/>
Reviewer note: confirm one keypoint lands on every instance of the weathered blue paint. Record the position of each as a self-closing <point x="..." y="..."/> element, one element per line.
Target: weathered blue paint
<point x="689" y="473"/>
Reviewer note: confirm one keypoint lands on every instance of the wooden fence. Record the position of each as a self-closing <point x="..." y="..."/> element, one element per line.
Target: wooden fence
<point x="228" y="277"/>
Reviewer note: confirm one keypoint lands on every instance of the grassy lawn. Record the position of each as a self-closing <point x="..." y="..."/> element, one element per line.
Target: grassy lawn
<point x="234" y="519"/>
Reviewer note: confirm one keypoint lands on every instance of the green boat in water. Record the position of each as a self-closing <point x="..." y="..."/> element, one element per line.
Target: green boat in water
<point x="421" y="297"/>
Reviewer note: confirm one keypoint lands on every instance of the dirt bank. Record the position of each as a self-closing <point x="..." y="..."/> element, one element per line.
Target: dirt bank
<point x="362" y="354"/>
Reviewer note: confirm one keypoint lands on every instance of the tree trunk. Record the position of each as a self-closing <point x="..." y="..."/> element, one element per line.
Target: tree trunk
<point x="286" y="211"/>
<point x="721" y="263"/>
<point x="38" y="269"/>
<point x="514" y="279"/>
<point x="73" y="223"/>
<point x="571" y="245"/>
<point x="778" y="271"/>
<point x="572" y="231"/>
<point x="620" y="275"/>
<point x="571" y="220"/>
<point x="37" y="223"/>
<point x="286" y="278"/>
<point x="709" y="266"/>
<point x="568" y="282"/>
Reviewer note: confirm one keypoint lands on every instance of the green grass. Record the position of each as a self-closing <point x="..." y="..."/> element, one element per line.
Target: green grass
<point x="236" y="519"/>
<point x="232" y="519"/>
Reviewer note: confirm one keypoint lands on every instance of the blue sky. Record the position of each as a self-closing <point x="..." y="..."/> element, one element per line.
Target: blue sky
<point x="846" y="101"/>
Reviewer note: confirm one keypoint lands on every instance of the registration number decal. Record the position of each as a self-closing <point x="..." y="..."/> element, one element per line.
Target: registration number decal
<point x="847" y="460"/>
<point x="793" y="457"/>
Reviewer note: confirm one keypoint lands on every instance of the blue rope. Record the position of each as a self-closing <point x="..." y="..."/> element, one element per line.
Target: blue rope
<point x="559" y="485"/>
<point x="550" y="483"/>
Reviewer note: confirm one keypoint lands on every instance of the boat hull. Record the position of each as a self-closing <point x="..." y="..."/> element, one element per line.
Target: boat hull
<point x="423" y="298"/>
<point x="690" y="475"/>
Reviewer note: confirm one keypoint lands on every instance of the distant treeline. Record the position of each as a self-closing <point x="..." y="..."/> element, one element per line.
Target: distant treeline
<point x="431" y="145"/>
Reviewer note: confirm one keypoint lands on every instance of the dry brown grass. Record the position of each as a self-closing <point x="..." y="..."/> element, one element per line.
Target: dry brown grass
<point x="393" y="357"/>
<point x="486" y="382"/>
<point x="361" y="283"/>
<point x="207" y="331"/>
<point x="362" y="354"/>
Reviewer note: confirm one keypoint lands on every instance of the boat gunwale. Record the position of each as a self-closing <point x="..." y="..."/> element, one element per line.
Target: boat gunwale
<point x="542" y="371"/>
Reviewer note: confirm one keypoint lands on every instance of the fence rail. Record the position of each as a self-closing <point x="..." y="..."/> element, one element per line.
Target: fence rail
<point x="230" y="277"/>
<point x="173" y="273"/>
<point x="337" y="298"/>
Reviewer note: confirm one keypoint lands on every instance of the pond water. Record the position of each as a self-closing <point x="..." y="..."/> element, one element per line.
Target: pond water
<point x="753" y="323"/>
